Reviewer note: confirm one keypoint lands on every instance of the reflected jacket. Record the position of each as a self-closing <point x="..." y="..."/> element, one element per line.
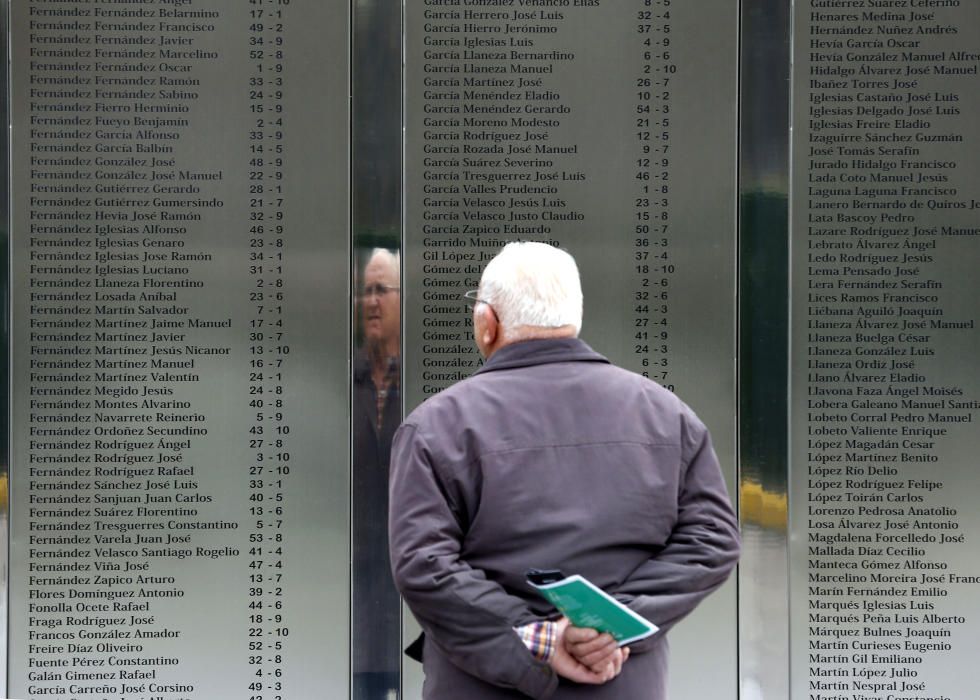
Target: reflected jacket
<point x="551" y="457"/>
<point x="375" y="607"/>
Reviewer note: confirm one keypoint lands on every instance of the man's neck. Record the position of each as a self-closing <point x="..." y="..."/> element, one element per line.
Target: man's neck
<point x="380" y="357"/>
<point x="522" y="333"/>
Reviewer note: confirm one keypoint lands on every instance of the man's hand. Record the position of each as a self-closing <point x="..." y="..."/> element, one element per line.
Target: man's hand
<point x="592" y="649"/>
<point x="604" y="663"/>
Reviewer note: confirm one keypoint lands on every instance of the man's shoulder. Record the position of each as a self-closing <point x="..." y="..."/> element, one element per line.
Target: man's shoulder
<point x="439" y="407"/>
<point x="604" y="377"/>
<point x="629" y="377"/>
<point x="538" y="389"/>
<point x="619" y="382"/>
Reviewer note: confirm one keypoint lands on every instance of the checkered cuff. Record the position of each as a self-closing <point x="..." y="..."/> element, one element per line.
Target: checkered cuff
<point x="539" y="638"/>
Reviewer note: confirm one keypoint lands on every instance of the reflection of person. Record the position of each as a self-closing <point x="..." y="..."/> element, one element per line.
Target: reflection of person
<point x="549" y="456"/>
<point x="376" y="618"/>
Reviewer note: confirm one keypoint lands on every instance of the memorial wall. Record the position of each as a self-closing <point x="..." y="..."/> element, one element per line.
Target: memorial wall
<point x="885" y="235"/>
<point x="179" y="442"/>
<point x="239" y="235"/>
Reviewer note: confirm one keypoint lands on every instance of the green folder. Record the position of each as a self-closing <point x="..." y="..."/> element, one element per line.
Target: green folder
<point x="589" y="606"/>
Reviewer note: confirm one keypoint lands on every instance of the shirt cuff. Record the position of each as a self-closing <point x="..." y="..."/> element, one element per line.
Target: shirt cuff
<point x="539" y="638"/>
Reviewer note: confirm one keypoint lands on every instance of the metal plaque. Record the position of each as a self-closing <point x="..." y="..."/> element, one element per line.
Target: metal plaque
<point x="885" y="389"/>
<point x="180" y="422"/>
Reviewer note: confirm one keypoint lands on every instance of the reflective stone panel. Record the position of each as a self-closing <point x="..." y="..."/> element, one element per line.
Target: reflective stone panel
<point x="180" y="393"/>
<point x="376" y="648"/>
<point x="608" y="129"/>
<point x="885" y="388"/>
<point x="763" y="341"/>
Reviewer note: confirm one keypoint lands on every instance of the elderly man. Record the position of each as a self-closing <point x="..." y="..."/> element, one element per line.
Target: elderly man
<point x="549" y="456"/>
<point x="376" y="609"/>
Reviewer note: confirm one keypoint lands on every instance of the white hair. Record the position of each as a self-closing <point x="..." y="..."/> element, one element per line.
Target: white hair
<point x="389" y="258"/>
<point x="533" y="284"/>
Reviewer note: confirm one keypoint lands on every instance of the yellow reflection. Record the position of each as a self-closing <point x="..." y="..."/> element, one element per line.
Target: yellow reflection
<point x="761" y="507"/>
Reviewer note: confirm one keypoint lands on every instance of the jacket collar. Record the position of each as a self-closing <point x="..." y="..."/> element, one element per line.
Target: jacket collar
<point x="538" y="352"/>
<point x="362" y="367"/>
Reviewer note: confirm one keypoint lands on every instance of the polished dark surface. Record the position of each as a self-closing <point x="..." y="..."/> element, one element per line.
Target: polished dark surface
<point x="764" y="142"/>
<point x="376" y="186"/>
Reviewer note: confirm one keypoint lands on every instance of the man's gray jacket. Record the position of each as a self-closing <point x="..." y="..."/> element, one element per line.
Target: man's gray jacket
<point x="551" y="457"/>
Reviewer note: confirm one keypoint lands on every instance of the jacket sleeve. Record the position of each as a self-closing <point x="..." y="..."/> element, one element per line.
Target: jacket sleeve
<point x="702" y="548"/>
<point x="468" y="617"/>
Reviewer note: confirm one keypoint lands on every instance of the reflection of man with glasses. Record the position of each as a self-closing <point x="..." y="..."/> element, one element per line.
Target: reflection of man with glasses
<point x="381" y="312"/>
<point x="376" y="414"/>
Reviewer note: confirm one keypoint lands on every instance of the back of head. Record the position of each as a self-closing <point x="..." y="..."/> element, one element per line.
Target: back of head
<point x="533" y="285"/>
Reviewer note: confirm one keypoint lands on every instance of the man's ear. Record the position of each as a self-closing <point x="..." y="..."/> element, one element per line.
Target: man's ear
<point x="490" y="326"/>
